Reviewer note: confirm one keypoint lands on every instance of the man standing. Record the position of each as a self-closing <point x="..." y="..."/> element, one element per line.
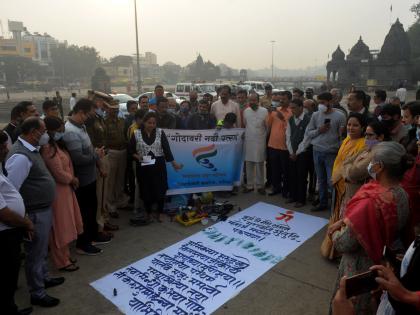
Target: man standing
<point x="255" y="121"/>
<point x="241" y="98"/>
<point x="391" y="119"/>
<point x="59" y="103"/>
<point x="298" y="153"/>
<point x="298" y="93"/>
<point x="277" y="149"/>
<point x="193" y="101"/>
<point x="144" y="102"/>
<point x="379" y="99"/>
<point x="10" y="129"/>
<point x="159" y="91"/>
<point x="72" y="101"/>
<point x="50" y="109"/>
<point x="309" y="93"/>
<point x="85" y="160"/>
<point x="337" y="95"/>
<point x="401" y="93"/>
<point x="116" y="144"/>
<point x="266" y="99"/>
<point x="28" y="173"/>
<point x="356" y="104"/>
<point x="13" y="224"/>
<point x="165" y="119"/>
<point x="95" y="127"/>
<point x="223" y="106"/>
<point x="323" y="132"/>
<point x="202" y="119"/>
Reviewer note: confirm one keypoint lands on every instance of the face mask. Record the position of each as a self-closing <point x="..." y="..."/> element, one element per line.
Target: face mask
<point x="322" y="108"/>
<point x="371" y="171"/>
<point x="370" y="143"/>
<point x="58" y="136"/>
<point x="407" y="128"/>
<point x="170" y="111"/>
<point x="418" y="134"/>
<point x="100" y="112"/>
<point x="305" y="110"/>
<point x="185" y="110"/>
<point x="44" y="139"/>
<point x="275" y="103"/>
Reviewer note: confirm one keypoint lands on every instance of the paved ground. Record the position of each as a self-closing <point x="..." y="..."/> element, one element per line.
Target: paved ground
<point x="300" y="284"/>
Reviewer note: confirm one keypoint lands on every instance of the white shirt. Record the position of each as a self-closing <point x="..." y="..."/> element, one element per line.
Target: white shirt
<point x="72" y="102"/>
<point x="303" y="145"/>
<point x="18" y="165"/>
<point x="401" y="94"/>
<point x="219" y="110"/>
<point x="10" y="198"/>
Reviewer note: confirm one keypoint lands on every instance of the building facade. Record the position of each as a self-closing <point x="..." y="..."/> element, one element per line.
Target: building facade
<point x="364" y="67"/>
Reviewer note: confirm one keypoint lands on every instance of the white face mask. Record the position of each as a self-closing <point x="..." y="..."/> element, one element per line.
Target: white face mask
<point x="44" y="139"/>
<point x="58" y="136"/>
<point x="370" y="170"/>
<point x="322" y="108"/>
<point x="275" y="103"/>
<point x="305" y="110"/>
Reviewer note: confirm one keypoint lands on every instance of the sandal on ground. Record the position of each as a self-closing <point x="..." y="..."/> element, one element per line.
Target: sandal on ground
<point x="69" y="268"/>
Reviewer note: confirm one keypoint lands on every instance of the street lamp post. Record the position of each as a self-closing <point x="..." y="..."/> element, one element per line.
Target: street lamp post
<point x="137" y="49"/>
<point x="272" y="59"/>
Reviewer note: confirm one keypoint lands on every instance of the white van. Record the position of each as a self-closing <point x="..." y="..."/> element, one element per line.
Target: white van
<point x="184" y="89"/>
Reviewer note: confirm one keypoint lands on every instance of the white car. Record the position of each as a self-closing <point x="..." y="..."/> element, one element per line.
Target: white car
<point x="122" y="100"/>
<point x="167" y="94"/>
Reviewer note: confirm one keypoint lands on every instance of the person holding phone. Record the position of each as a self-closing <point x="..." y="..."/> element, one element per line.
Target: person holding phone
<point x="323" y="132"/>
<point x="375" y="217"/>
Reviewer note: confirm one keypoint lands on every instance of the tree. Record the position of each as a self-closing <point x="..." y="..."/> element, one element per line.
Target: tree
<point x="73" y="63"/>
<point x="171" y="72"/>
<point x="19" y="69"/>
<point x="416" y="10"/>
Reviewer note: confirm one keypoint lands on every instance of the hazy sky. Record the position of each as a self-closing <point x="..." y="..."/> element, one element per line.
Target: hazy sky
<point x="235" y="32"/>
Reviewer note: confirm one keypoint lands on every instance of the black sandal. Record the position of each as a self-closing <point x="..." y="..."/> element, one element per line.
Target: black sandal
<point x="70" y="268"/>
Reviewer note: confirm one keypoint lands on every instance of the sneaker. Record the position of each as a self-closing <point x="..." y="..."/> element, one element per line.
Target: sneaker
<point x="89" y="250"/>
<point x="102" y="239"/>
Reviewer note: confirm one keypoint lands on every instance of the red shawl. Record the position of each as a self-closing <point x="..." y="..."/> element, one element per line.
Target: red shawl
<point x="372" y="216"/>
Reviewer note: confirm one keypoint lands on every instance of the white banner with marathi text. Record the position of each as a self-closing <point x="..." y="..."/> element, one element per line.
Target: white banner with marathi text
<point x="202" y="272"/>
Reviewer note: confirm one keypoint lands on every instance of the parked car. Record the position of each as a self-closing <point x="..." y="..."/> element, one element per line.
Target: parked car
<point x="123" y="99"/>
<point x="258" y="86"/>
<point x="167" y="94"/>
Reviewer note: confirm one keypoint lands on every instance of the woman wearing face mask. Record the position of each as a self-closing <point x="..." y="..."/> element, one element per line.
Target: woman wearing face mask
<point x="351" y="146"/>
<point x="67" y="220"/>
<point x="373" y="218"/>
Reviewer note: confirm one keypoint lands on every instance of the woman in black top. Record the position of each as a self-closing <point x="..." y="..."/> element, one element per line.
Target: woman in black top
<point x="152" y="177"/>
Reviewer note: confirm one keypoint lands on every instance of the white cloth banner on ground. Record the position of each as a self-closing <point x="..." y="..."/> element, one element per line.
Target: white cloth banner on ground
<point x="202" y="272"/>
<point x="212" y="160"/>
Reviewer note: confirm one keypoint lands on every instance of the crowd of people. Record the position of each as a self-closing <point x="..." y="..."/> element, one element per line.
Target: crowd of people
<point x="65" y="177"/>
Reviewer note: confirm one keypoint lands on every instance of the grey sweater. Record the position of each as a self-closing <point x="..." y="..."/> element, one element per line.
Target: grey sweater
<point x="328" y="142"/>
<point x="81" y="151"/>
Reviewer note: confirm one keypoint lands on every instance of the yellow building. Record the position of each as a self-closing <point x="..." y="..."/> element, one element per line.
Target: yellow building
<point x="11" y="47"/>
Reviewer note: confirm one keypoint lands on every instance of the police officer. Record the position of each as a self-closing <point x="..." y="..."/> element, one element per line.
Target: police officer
<point x="116" y="144"/>
<point x="265" y="101"/>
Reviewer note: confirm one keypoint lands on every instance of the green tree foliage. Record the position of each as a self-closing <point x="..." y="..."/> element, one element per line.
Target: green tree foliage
<point x="19" y="69"/>
<point x="416" y="10"/>
<point x="73" y="63"/>
<point x="171" y="72"/>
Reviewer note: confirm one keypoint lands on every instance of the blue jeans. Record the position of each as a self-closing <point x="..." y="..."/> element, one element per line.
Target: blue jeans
<point x="324" y="163"/>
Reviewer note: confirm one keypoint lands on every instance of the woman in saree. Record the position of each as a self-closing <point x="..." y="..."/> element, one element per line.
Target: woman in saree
<point x="373" y="218"/>
<point x="351" y="146"/>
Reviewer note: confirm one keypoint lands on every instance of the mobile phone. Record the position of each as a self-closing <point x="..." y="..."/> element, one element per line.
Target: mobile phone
<point x="390" y="255"/>
<point x="361" y="283"/>
<point x="327" y="121"/>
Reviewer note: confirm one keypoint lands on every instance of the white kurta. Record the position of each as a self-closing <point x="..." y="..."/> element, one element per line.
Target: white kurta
<point x="255" y="134"/>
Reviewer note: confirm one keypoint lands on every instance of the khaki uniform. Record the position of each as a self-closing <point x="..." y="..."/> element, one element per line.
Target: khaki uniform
<point x="95" y="127"/>
<point x="116" y="143"/>
<point x="265" y="101"/>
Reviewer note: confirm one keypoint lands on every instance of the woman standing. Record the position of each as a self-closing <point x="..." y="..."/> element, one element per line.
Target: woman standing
<point x="373" y="218"/>
<point x="151" y="142"/>
<point x="351" y="146"/>
<point x="67" y="221"/>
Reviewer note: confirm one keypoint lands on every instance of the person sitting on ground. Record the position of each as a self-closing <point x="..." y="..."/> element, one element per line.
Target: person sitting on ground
<point x="67" y="221"/>
<point x="375" y="217"/>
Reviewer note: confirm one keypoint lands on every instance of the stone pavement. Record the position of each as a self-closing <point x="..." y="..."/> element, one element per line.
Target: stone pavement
<point x="300" y="284"/>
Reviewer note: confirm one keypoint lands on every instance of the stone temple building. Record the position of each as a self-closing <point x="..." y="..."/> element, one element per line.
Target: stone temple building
<point x="364" y="67"/>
